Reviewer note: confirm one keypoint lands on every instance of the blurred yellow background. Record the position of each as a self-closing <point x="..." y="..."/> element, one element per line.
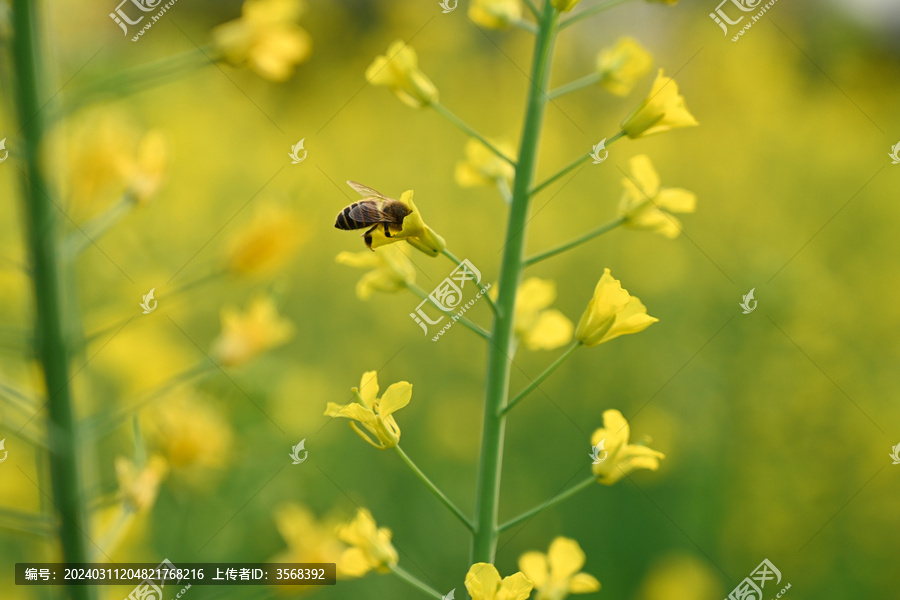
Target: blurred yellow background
<point x="776" y="425"/>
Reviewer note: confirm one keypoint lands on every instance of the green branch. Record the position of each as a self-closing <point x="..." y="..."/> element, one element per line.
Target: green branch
<point x="458" y="263"/>
<point x="577" y="241"/>
<point x="531" y="387"/>
<point x="574" y="165"/>
<point x="51" y="339"/>
<point x="437" y="492"/>
<point x="551" y="502"/>
<point x="415" y="582"/>
<point x="443" y="110"/>
<point x="573" y="86"/>
<point x="424" y="296"/>
<point x="589" y="12"/>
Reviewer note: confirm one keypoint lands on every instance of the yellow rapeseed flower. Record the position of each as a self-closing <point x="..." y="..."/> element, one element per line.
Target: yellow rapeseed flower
<point x="484" y="583"/>
<point x="398" y="70"/>
<point x="391" y="270"/>
<point x="371" y="547"/>
<point x="622" y="458"/>
<point x="413" y="229"/>
<point x="495" y="14"/>
<point x="483" y="167"/>
<point x="192" y="433"/>
<point x="662" y="110"/>
<point x="621" y="66"/>
<point x="138" y="486"/>
<point x="565" y="5"/>
<point x="538" y="327"/>
<point x="265" y="245"/>
<point x="611" y="312"/>
<point x="246" y="335"/>
<point x="308" y="540"/>
<point x="373" y="413"/>
<point x="145" y="175"/>
<point x="266" y="37"/>
<point x="647" y="206"/>
<point x="556" y="574"/>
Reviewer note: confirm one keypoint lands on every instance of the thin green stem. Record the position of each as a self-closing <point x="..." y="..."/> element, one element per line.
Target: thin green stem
<point x="490" y="463"/>
<point x="525" y="25"/>
<point x="437" y="492"/>
<point x="75" y="243"/>
<point x="51" y="330"/>
<point x="30" y="523"/>
<point x="577" y="241"/>
<point x="458" y="263"/>
<point x="531" y="387"/>
<point x="575" y="164"/>
<point x="140" y="78"/>
<point x="589" y="12"/>
<point x="443" y="110"/>
<point x="531" y="6"/>
<point x="415" y="582"/>
<point x="424" y="296"/>
<point x="104" y="422"/>
<point x="573" y="86"/>
<point x="551" y="502"/>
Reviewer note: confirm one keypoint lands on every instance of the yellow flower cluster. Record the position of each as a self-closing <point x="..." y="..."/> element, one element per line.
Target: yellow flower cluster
<point x="495" y="14"/>
<point x="622" y="457"/>
<point x="191" y="433"/>
<point x="556" y="574"/>
<point x="621" y="66"/>
<point x="398" y="70"/>
<point x="391" y="270"/>
<point x="266" y="37"/>
<point x="536" y="325"/>
<point x="413" y="230"/>
<point x="246" y="335"/>
<point x="483" y="167"/>
<point x="265" y="245"/>
<point x="611" y="312"/>
<point x="664" y="109"/>
<point x="370" y="547"/>
<point x="373" y="413"/>
<point x="645" y="205"/>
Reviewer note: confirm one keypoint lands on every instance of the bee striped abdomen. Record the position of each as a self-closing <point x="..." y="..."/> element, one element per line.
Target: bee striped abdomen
<point x="344" y="221"/>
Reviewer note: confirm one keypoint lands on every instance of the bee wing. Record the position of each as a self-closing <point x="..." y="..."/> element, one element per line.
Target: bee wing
<point x="366" y="212"/>
<point x="367" y="191"/>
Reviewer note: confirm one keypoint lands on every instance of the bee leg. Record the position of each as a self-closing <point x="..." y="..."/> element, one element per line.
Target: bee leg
<point x="367" y="236"/>
<point x="387" y="231"/>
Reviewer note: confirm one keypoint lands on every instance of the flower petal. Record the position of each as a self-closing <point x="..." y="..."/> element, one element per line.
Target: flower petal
<point x="482" y="581"/>
<point x="583" y="583"/>
<point x="395" y="397"/>
<point x="565" y="557"/>
<point x="534" y="566"/>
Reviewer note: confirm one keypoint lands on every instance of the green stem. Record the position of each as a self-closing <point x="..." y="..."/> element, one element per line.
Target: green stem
<point x="589" y="12"/>
<point x="51" y="340"/>
<point x="531" y="387"/>
<point x="424" y="296"/>
<point x="29" y="523"/>
<point x="139" y="78"/>
<point x="437" y="492"/>
<point x="487" y="497"/>
<point x="551" y="502"/>
<point x="523" y="24"/>
<point x="443" y="110"/>
<point x="104" y="422"/>
<point x="458" y="263"/>
<point x="575" y="164"/>
<point x="577" y="241"/>
<point x="531" y="6"/>
<point x="75" y="243"/>
<point x="415" y="582"/>
<point x="573" y="86"/>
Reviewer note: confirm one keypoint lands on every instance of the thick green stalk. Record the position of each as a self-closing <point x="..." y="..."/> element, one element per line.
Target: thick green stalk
<point x="51" y="341"/>
<point x="487" y="499"/>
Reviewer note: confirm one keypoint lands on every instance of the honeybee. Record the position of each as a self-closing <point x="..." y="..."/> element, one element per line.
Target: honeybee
<point x="375" y="210"/>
